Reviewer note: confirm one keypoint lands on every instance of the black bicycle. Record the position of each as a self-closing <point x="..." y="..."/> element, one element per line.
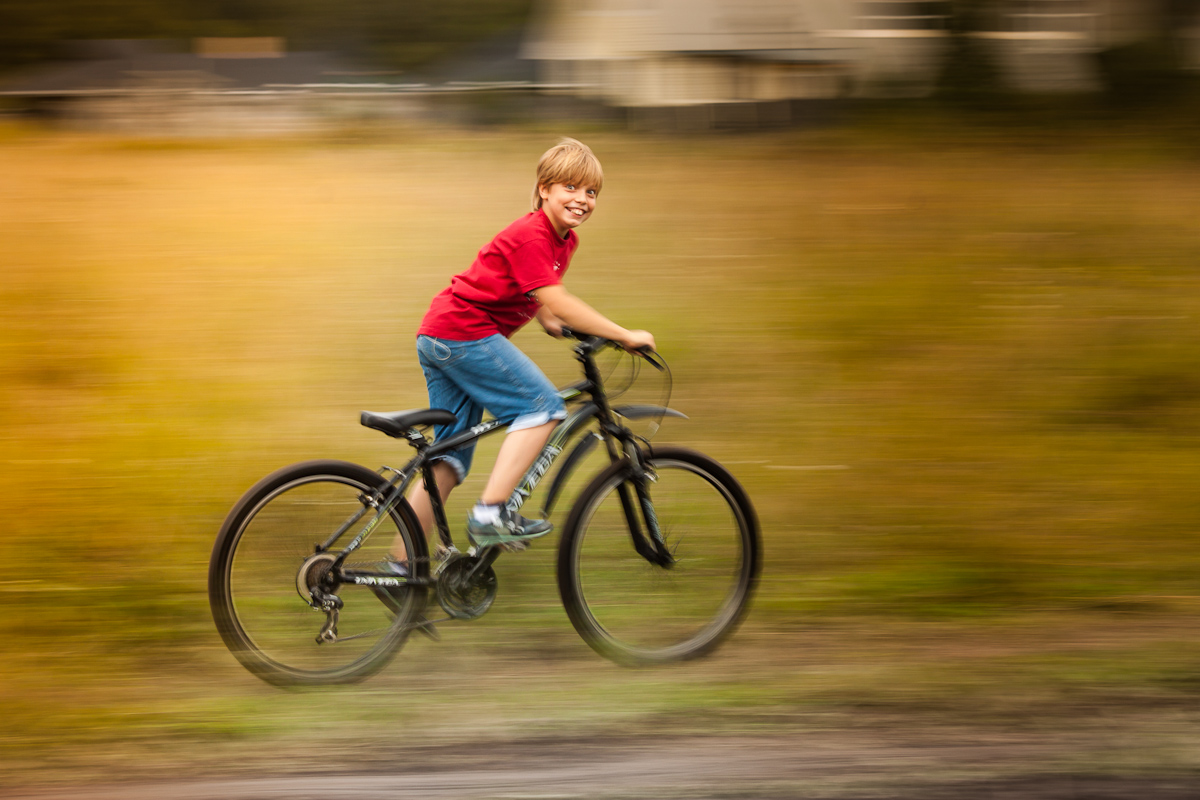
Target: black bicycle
<point x="658" y="557"/>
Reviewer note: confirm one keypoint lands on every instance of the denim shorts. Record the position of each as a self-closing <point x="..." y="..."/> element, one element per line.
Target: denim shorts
<point x="491" y="374"/>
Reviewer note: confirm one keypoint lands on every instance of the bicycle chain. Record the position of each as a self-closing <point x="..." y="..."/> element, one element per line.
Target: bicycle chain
<point x="416" y="624"/>
<point x="419" y="559"/>
<point x="438" y="558"/>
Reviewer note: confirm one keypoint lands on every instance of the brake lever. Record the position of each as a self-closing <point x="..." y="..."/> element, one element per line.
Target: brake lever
<point x="651" y="356"/>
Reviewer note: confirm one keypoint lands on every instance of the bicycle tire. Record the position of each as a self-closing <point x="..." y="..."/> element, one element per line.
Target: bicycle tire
<point x="636" y="613"/>
<point x="253" y="577"/>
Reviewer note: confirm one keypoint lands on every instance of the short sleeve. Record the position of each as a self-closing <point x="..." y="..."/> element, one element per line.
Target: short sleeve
<point x="534" y="265"/>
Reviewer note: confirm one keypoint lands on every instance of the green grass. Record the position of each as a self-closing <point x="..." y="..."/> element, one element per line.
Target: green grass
<point x="955" y="369"/>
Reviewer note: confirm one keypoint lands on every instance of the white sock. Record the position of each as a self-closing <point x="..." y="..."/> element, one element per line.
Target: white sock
<point x="487" y="514"/>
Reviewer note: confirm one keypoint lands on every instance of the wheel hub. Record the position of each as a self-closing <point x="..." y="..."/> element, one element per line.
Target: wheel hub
<point x="315" y="574"/>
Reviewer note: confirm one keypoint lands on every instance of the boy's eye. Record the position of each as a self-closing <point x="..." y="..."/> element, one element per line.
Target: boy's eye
<point x="591" y="192"/>
<point x="570" y="187"/>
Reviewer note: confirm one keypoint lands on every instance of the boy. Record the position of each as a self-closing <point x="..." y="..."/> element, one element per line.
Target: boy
<point x="470" y="364"/>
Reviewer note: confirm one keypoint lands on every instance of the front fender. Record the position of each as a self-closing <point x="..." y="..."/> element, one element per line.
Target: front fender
<point x="641" y="412"/>
<point x="579" y="420"/>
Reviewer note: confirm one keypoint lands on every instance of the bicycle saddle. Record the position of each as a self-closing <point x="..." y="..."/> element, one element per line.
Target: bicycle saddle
<point x="397" y="423"/>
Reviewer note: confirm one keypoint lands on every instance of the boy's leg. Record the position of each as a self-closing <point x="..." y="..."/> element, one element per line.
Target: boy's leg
<point x="516" y="455"/>
<point x="443" y="393"/>
<point x="494" y="374"/>
<point x="490" y="522"/>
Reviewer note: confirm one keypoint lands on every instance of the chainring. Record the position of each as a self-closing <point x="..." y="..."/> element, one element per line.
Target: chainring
<point x="459" y="595"/>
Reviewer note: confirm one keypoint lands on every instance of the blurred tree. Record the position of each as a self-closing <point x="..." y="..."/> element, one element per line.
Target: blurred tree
<point x="396" y="34"/>
<point x="1152" y="68"/>
<point x="25" y="32"/>
<point x="969" y="73"/>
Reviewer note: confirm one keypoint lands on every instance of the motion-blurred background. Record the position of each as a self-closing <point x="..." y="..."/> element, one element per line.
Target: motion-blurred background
<point x="926" y="273"/>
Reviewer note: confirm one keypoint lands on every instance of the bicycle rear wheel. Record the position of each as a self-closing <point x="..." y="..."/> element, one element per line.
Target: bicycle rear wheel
<point x="635" y="612"/>
<point x="264" y="561"/>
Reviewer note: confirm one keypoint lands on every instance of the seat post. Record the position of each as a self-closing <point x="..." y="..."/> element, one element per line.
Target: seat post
<point x="417" y="439"/>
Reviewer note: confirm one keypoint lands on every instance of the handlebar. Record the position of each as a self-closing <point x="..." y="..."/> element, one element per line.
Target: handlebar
<point x="569" y="333"/>
<point x="590" y="344"/>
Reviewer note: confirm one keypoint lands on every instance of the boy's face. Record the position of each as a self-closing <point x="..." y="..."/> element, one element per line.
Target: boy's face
<point x="567" y="205"/>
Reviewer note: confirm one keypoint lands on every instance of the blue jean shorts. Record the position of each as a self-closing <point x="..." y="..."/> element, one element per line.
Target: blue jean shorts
<point x="491" y="374"/>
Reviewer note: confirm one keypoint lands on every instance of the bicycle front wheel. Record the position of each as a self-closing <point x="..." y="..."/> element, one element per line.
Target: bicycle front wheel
<point x="264" y="564"/>
<point x="636" y="612"/>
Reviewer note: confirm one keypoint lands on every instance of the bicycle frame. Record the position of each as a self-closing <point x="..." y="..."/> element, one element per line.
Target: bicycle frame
<point x="619" y="441"/>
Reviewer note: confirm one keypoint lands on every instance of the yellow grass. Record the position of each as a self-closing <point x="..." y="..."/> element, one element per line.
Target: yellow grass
<point x="957" y="378"/>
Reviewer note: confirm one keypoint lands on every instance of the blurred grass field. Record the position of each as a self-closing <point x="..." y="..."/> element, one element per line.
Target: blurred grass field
<point x="956" y="370"/>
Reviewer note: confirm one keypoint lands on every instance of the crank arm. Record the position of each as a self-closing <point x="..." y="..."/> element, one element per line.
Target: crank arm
<point x="426" y="627"/>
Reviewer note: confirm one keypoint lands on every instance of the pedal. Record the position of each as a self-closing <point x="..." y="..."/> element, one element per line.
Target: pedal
<point x="477" y="550"/>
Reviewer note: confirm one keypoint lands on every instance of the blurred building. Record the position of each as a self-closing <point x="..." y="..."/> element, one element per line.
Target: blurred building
<point x="705" y="60"/>
<point x="1036" y="45"/>
<point x="213" y="86"/>
<point x="690" y="64"/>
<point x="695" y="63"/>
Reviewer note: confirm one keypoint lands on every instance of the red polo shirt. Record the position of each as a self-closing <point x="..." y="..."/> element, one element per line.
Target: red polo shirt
<point x="490" y="297"/>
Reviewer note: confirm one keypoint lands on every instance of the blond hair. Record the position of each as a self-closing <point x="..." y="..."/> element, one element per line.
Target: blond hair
<point x="569" y="161"/>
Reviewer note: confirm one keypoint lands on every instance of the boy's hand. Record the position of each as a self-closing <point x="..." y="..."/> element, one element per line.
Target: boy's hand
<point x="637" y="340"/>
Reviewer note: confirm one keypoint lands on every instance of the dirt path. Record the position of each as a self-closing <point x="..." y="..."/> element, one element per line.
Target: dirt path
<point x="809" y="766"/>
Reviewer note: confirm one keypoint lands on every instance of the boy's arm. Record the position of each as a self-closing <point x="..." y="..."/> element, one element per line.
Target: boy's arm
<point x="569" y="310"/>
<point x="552" y="324"/>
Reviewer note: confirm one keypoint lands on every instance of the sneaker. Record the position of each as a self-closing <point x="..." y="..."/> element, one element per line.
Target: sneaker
<point x="394" y="567"/>
<point x="509" y="529"/>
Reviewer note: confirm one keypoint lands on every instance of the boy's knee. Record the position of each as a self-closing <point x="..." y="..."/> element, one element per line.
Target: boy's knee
<point x="450" y="469"/>
<point x="536" y="420"/>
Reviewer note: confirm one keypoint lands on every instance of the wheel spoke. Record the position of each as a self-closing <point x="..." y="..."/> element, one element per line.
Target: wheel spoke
<point x="265" y="572"/>
<point x="633" y="610"/>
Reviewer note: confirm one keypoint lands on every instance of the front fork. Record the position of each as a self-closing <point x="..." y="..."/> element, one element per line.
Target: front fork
<point x="654" y="547"/>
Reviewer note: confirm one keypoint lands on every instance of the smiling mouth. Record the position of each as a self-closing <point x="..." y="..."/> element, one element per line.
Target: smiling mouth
<point x="579" y="212"/>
